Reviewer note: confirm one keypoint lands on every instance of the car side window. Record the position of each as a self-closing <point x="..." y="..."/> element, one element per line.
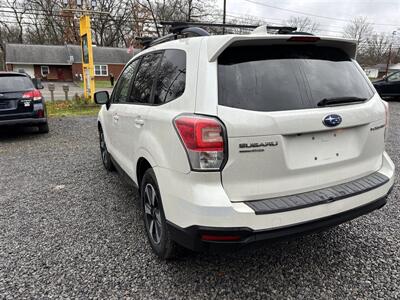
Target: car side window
<point x="121" y="92"/>
<point x="144" y="79"/>
<point x="171" y="78"/>
<point x="394" y="77"/>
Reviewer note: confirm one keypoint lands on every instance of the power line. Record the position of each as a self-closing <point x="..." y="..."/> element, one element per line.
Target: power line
<point x="63" y="18"/>
<point x="263" y="18"/>
<point x="285" y="23"/>
<point x="44" y="17"/>
<point x="59" y="9"/>
<point x="40" y="13"/>
<point x="314" y="15"/>
<point x="53" y="15"/>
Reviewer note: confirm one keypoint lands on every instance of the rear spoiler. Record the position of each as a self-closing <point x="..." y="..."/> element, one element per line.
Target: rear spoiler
<point x="218" y="43"/>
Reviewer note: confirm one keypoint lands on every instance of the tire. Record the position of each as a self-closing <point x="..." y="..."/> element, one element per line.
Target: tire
<point x="105" y="155"/>
<point x="154" y="218"/>
<point x="44" y="128"/>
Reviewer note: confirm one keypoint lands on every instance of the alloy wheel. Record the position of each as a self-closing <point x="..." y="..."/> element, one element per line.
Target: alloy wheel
<point x="103" y="148"/>
<point x="152" y="214"/>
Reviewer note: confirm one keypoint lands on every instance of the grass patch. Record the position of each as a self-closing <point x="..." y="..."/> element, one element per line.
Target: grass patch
<point x="100" y="84"/>
<point x="71" y="108"/>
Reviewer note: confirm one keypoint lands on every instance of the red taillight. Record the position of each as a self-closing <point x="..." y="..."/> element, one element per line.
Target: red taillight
<point x="304" y="39"/>
<point x="209" y="237"/>
<point x="34" y="94"/>
<point x="203" y="138"/>
<point x="200" y="134"/>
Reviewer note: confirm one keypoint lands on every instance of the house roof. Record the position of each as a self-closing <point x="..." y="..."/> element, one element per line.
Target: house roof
<point x="63" y="54"/>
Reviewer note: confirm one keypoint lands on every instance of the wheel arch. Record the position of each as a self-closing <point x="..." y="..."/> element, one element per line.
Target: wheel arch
<point x="142" y="165"/>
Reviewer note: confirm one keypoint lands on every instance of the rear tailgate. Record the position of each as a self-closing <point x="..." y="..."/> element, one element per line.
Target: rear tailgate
<point x="287" y="154"/>
<point x="277" y="141"/>
<point x="13" y="104"/>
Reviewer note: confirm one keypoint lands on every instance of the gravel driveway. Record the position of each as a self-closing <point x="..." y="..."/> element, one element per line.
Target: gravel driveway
<point x="70" y="229"/>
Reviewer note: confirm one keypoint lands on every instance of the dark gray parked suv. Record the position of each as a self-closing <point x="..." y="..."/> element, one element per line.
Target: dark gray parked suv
<point x="21" y="102"/>
<point x="388" y="86"/>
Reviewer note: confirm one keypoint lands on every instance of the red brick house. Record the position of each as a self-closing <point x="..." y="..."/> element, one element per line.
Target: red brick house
<point x="64" y="62"/>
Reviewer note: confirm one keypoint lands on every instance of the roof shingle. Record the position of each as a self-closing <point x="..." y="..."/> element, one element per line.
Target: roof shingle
<point x="60" y="54"/>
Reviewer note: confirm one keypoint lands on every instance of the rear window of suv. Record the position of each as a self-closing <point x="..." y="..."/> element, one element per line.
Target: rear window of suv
<point x="286" y="77"/>
<point x="15" y="83"/>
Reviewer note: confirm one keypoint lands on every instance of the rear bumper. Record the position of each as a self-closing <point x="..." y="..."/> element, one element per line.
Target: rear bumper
<point x="196" y="203"/>
<point x="191" y="237"/>
<point x="26" y="118"/>
<point x="25" y="121"/>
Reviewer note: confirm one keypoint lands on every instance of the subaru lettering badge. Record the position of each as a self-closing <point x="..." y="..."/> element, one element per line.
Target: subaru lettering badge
<point x="332" y="120"/>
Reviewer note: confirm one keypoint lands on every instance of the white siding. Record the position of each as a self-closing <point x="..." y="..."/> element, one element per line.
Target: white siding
<point x="27" y="68"/>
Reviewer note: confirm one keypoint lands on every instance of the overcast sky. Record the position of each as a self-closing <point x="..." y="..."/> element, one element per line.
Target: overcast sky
<point x="377" y="12"/>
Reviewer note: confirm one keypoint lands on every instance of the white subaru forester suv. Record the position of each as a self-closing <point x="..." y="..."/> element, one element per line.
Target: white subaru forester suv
<point x="233" y="139"/>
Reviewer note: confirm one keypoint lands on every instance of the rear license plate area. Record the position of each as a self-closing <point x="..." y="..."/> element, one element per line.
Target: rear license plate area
<point x="317" y="148"/>
<point x="5" y="105"/>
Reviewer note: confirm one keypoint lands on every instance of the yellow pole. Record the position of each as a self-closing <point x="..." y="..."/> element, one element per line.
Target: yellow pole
<point x="87" y="57"/>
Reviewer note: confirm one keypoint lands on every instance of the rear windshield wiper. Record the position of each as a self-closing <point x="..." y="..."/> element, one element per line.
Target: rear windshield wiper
<point x="340" y="100"/>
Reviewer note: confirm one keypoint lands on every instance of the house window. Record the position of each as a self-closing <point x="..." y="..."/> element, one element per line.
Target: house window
<point x="45" y="70"/>
<point x="101" y="70"/>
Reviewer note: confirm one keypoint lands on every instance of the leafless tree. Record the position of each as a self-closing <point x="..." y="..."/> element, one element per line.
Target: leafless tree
<point x="195" y="10"/>
<point x="376" y="49"/>
<point x="13" y="21"/>
<point x="8" y="34"/>
<point x="11" y="25"/>
<point x="305" y="24"/>
<point x="141" y="18"/>
<point x="178" y="10"/>
<point x="111" y="26"/>
<point x="360" y="30"/>
<point x="47" y="22"/>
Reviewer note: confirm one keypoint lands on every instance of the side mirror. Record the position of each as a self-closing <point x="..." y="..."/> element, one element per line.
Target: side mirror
<point x="37" y="83"/>
<point x="101" y="97"/>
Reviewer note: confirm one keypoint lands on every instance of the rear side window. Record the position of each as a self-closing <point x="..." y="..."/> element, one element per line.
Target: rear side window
<point x="15" y="84"/>
<point x="286" y="77"/>
<point x="171" y="78"/>
<point x="144" y="80"/>
<point x="394" y="77"/>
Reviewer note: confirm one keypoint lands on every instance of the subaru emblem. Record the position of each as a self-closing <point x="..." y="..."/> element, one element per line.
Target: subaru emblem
<point x="332" y="120"/>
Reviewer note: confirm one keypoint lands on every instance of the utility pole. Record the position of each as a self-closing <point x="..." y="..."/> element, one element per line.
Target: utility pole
<point x="224" y="18"/>
<point x="390" y="53"/>
<point x="89" y="85"/>
<point x="83" y="9"/>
